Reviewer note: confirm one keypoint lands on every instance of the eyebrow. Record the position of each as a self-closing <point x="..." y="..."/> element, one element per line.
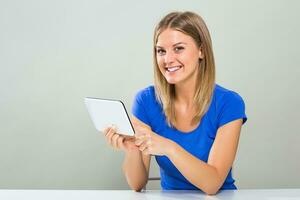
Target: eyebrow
<point x="173" y="44"/>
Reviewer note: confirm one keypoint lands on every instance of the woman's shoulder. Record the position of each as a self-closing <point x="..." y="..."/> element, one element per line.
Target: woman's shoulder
<point x="222" y="93"/>
<point x="146" y="94"/>
<point x="228" y="105"/>
<point x="146" y="107"/>
<point x="149" y="90"/>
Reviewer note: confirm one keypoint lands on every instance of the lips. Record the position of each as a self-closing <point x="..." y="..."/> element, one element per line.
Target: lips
<point x="173" y="68"/>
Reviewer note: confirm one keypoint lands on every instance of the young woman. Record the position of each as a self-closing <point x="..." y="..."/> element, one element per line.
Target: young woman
<point x="188" y="122"/>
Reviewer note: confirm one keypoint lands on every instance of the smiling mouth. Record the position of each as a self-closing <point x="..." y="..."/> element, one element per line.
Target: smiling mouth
<point x="173" y="69"/>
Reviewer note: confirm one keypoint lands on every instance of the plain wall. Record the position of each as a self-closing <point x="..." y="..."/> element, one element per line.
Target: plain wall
<point x="55" y="53"/>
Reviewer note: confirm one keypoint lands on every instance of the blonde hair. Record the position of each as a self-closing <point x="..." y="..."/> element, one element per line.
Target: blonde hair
<point x="193" y="25"/>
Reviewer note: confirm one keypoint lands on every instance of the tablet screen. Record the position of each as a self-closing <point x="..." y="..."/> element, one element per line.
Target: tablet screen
<point x="107" y="112"/>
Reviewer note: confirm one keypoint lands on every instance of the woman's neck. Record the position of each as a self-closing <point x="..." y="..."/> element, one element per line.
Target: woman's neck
<point x="185" y="93"/>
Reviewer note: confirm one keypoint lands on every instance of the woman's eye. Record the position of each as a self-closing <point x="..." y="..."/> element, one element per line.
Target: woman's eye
<point x="160" y="51"/>
<point x="179" y="48"/>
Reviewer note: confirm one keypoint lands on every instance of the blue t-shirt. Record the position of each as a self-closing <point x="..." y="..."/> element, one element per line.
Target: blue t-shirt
<point x="225" y="107"/>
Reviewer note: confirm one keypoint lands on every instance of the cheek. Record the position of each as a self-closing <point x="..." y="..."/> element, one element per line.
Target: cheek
<point x="190" y="60"/>
<point x="160" y="63"/>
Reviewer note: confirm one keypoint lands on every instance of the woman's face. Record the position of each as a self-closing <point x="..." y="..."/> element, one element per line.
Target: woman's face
<point x="177" y="56"/>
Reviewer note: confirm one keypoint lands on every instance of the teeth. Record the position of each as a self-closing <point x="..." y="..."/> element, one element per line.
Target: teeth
<point x="173" y="69"/>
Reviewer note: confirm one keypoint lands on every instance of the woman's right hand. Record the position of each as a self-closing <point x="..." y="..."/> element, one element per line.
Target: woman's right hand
<point x="119" y="141"/>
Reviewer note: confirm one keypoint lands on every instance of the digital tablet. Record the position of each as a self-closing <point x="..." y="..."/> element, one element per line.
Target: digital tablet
<point x="108" y="112"/>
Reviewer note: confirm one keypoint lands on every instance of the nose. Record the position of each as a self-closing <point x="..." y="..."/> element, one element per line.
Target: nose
<point x="169" y="57"/>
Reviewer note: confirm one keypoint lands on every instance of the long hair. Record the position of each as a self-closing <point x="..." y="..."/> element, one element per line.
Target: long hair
<point x="193" y="25"/>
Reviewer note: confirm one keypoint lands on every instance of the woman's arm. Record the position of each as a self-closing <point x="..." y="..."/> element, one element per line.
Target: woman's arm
<point x="136" y="165"/>
<point x="136" y="169"/>
<point x="210" y="176"/>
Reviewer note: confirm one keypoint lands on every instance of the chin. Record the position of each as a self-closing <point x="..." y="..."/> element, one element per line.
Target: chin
<point x="172" y="81"/>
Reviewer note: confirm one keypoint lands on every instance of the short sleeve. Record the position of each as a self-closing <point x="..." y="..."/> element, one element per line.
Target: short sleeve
<point x="231" y="108"/>
<point x="138" y="107"/>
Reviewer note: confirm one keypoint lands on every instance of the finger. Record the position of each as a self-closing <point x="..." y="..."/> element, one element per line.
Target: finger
<point x="120" y="142"/>
<point x="109" y="132"/>
<point x="114" y="140"/>
<point x="105" y="131"/>
<point x="139" y="140"/>
<point x="145" y="137"/>
<point x="109" y="135"/>
<point x="148" y="143"/>
<point x="146" y="151"/>
<point x="143" y="146"/>
<point x="128" y="137"/>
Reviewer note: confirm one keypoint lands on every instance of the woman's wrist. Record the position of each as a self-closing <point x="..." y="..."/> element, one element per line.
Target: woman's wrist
<point x="172" y="149"/>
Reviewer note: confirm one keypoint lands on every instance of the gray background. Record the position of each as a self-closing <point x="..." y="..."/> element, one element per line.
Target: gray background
<point x="54" y="53"/>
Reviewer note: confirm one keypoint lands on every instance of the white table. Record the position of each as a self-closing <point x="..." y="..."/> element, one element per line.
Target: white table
<point x="276" y="194"/>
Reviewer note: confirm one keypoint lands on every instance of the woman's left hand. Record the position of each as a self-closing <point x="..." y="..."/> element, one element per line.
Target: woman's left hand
<point x="151" y="143"/>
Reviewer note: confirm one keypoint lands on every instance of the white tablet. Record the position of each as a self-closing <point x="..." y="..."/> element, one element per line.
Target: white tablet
<point x="106" y="112"/>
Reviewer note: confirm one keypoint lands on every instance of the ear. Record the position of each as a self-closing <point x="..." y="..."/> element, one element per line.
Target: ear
<point x="201" y="55"/>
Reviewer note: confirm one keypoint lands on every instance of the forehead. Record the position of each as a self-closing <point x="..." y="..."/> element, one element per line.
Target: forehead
<point x="171" y="36"/>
